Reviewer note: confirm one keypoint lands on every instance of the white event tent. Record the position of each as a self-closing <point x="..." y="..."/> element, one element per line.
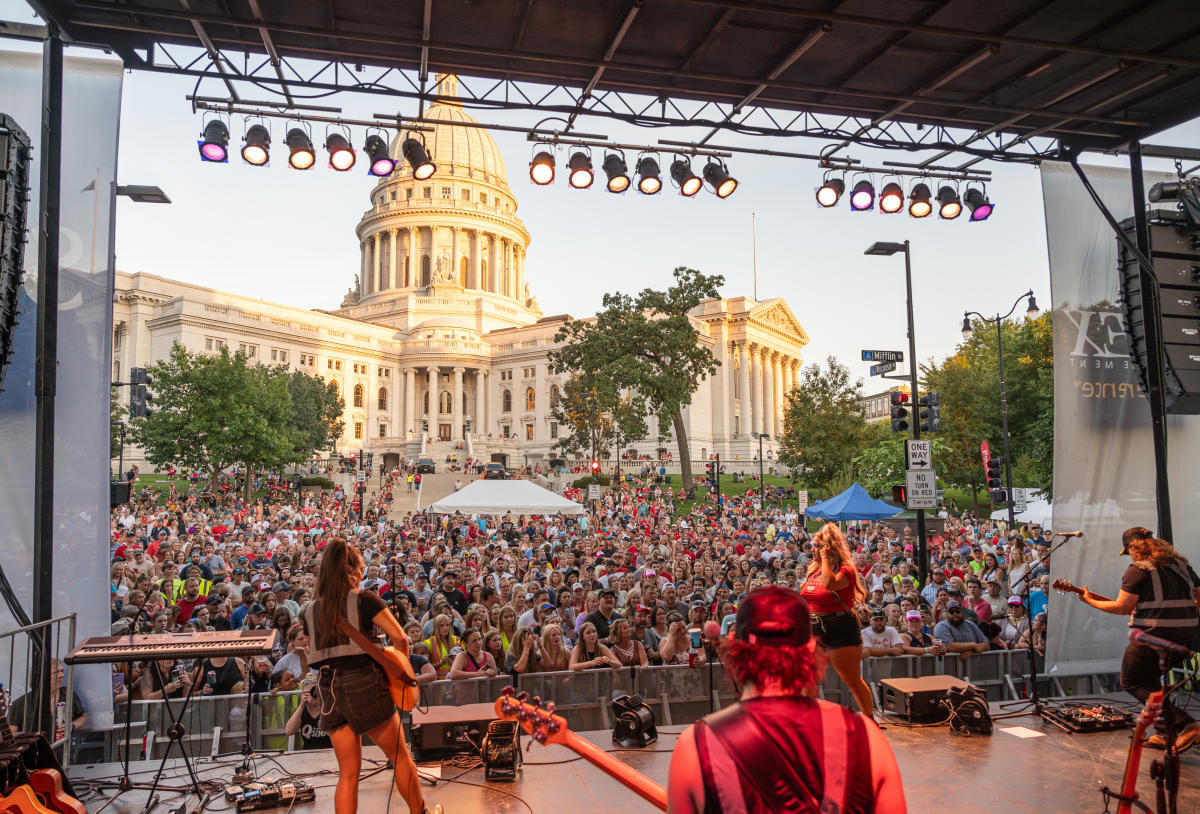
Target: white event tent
<point x="502" y="496"/>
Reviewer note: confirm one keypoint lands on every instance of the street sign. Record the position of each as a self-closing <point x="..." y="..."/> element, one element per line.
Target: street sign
<point x="882" y="367"/>
<point x="1020" y="499"/>
<point x="922" y="489"/>
<point x="595" y="491"/>
<point x="361" y="475"/>
<point x="883" y="356"/>
<point x="918" y="454"/>
<point x="802" y="500"/>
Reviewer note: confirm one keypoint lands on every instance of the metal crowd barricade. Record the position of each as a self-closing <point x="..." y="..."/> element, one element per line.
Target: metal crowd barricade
<point x="19" y="647"/>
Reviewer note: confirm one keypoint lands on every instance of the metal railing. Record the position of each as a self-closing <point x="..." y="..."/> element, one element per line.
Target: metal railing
<point x="678" y="694"/>
<point x="28" y="695"/>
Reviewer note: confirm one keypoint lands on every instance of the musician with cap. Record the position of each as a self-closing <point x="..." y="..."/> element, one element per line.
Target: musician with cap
<point x="1161" y="593"/>
<point x="780" y="748"/>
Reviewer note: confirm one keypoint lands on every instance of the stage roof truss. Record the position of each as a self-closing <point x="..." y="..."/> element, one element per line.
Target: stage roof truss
<point x="1015" y="81"/>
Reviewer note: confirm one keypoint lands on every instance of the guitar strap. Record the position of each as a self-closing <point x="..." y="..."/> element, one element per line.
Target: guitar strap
<point x="371" y="649"/>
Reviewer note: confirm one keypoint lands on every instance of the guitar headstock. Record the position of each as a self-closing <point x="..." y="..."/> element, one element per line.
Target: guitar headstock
<point x="1065" y="585"/>
<point x="537" y="719"/>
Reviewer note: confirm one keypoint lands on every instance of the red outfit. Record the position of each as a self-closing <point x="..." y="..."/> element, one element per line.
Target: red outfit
<point x="820" y="600"/>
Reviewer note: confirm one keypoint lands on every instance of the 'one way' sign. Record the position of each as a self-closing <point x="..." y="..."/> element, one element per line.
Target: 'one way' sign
<point x="920" y="454"/>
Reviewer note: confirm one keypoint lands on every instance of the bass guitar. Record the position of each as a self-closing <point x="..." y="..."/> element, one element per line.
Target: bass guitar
<point x="44" y="785"/>
<point x="541" y="724"/>
<point x="1128" y="796"/>
<point x="1065" y="586"/>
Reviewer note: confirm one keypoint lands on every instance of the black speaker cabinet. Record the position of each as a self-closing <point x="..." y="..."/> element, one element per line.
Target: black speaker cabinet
<point x="917" y="698"/>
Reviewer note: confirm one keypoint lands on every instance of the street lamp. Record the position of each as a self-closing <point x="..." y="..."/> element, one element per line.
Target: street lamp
<point x="762" y="479"/>
<point x="1031" y="312"/>
<point x="887" y="250"/>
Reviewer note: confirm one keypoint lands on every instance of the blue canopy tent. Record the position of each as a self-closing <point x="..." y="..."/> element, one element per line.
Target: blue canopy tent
<point x="852" y="504"/>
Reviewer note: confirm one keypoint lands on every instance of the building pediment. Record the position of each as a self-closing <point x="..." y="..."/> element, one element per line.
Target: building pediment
<point x="775" y="314"/>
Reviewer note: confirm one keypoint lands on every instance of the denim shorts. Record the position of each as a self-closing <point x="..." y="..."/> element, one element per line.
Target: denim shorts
<point x="834" y="630"/>
<point x="357" y="697"/>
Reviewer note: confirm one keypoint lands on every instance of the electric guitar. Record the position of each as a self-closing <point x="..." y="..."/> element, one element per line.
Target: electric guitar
<point x="541" y="724"/>
<point x="402" y="681"/>
<point x="42" y="792"/>
<point x="1133" y="761"/>
<point x="1065" y="585"/>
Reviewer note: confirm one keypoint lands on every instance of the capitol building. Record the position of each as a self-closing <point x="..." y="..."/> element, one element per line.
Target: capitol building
<point x="440" y="344"/>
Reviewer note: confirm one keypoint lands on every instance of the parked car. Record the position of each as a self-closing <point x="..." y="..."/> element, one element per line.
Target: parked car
<point x="494" y="471"/>
<point x="426" y="465"/>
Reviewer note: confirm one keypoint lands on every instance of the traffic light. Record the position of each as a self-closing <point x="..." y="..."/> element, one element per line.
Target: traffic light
<point x="139" y="396"/>
<point x="595" y="467"/>
<point x="994" y="483"/>
<point x="900" y="493"/>
<point x="930" y="412"/>
<point x="899" y="412"/>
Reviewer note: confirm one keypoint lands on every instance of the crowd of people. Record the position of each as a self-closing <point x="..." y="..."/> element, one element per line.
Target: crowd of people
<point x="631" y="582"/>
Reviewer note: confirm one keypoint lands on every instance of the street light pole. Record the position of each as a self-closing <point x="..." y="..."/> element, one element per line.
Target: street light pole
<point x="762" y="478"/>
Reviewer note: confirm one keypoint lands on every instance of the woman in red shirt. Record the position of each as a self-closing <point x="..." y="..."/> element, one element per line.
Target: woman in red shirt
<point x="832" y="588"/>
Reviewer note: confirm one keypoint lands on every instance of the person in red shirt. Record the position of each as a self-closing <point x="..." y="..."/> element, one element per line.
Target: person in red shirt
<point x="832" y="588"/>
<point x="190" y="599"/>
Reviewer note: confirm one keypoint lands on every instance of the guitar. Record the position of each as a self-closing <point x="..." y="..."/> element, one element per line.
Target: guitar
<point x="1132" y="762"/>
<point x="45" y="786"/>
<point x="541" y="724"/>
<point x="402" y="681"/>
<point x="1065" y="586"/>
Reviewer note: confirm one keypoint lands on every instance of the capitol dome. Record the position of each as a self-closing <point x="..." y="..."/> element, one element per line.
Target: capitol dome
<point x="458" y="151"/>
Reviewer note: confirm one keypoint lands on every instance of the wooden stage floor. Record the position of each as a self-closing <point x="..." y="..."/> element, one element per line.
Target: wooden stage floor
<point x="1052" y="772"/>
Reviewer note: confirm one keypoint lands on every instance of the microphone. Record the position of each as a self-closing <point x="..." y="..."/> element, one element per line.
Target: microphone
<point x="1138" y="636"/>
<point x="712" y="631"/>
<point x="1070" y="534"/>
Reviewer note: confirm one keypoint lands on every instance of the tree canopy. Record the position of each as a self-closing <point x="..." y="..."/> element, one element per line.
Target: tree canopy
<point x="594" y="416"/>
<point x="823" y="423"/>
<point x="647" y="346"/>
<point x="316" y="417"/>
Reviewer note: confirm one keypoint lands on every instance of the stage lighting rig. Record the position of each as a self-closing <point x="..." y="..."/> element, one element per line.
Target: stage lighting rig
<point x="541" y="168"/>
<point x="341" y="154"/>
<point x="830" y="191"/>
<point x="891" y="199"/>
<point x="1186" y="191"/>
<point x="977" y="204"/>
<point x="919" y="204"/>
<point x="687" y="181"/>
<point x="379" y="161"/>
<point x="649" y="180"/>
<point x="417" y="156"/>
<point x="256" y="145"/>
<point x="862" y="198"/>
<point x="214" y="142"/>
<point x="579" y="170"/>
<point x="717" y="175"/>
<point x="617" y="172"/>
<point x="301" y="155"/>
<point x="949" y="205"/>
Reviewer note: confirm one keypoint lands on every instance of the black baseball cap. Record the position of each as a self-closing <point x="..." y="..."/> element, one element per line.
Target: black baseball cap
<point x="773" y="616"/>
<point x="1135" y="533"/>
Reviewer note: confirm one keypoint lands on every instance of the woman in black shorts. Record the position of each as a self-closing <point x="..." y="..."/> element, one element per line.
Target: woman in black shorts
<point x="352" y="688"/>
<point x="833" y="589"/>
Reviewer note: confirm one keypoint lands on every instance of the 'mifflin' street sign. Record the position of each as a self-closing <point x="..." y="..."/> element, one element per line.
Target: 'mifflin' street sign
<point x="883" y="356"/>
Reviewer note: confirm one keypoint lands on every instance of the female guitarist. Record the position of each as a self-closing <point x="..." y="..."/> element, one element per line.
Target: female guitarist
<point x="353" y="690"/>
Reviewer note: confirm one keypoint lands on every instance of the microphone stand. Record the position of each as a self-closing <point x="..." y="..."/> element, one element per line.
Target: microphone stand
<point x="1030" y="653"/>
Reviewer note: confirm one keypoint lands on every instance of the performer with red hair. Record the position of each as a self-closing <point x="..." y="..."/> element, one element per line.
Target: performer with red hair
<point x="780" y="748"/>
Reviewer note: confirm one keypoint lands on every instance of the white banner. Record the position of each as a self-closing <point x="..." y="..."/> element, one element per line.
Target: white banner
<point x="91" y="116"/>
<point x="1103" y="452"/>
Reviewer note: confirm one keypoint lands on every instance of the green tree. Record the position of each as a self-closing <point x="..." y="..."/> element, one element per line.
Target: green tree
<point x="823" y="423"/>
<point x="595" y="417"/>
<point x="881" y="464"/>
<point x="316" y="413"/>
<point x="212" y="411"/>
<point x="117" y="413"/>
<point x="648" y="346"/>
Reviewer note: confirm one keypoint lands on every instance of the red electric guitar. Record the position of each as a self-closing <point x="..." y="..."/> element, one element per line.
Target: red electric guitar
<point x="42" y="792"/>
<point x="541" y="724"/>
<point x="1133" y="761"/>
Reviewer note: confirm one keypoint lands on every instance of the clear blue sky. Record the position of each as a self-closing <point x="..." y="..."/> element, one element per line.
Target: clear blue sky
<point x="288" y="236"/>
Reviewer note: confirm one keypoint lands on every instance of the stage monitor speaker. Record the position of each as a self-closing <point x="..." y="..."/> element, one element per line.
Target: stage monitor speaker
<point x="1175" y="253"/>
<point x="14" y="200"/>
<point x="444" y="730"/>
<point x="918" y="698"/>
<point x="118" y="493"/>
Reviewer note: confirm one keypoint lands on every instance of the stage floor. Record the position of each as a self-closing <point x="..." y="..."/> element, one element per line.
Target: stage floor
<point x="1052" y="771"/>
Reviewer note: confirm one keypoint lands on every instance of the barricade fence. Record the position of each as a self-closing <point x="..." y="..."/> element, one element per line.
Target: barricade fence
<point x="20" y="658"/>
<point x="678" y="694"/>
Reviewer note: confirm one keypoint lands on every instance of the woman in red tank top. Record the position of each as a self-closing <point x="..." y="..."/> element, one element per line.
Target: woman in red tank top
<point x="832" y="588"/>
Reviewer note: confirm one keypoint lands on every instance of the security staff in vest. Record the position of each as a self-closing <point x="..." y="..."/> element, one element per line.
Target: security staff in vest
<point x="352" y="689"/>
<point x="1161" y="594"/>
<point x="780" y="748"/>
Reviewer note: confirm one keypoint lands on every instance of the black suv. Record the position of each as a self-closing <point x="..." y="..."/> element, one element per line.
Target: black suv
<point x="426" y="465"/>
<point x="494" y="471"/>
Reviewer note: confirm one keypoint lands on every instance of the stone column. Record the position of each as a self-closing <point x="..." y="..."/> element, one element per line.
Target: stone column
<point x="456" y="407"/>
<point x="519" y="266"/>
<point x="455" y="248"/>
<point x="434" y="414"/>
<point x="744" y="408"/>
<point x="392" y="280"/>
<point x="476" y="258"/>
<point x="768" y="399"/>
<point x="410" y="401"/>
<point x="412" y="257"/>
<point x="776" y="395"/>
<point x="479" y="425"/>
<point x="362" y="268"/>
<point x="756" y="390"/>
<point x="378" y="262"/>
<point x="785" y="371"/>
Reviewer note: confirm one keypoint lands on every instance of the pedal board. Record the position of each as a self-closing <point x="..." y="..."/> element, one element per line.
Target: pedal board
<point x="268" y="793"/>
<point x="1079" y="717"/>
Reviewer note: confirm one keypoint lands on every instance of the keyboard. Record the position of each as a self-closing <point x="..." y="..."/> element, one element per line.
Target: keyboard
<point x="212" y="643"/>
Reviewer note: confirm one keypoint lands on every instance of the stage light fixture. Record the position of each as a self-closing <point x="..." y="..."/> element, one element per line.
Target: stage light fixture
<point x="977" y="204"/>
<point x="579" y="170"/>
<point x="617" y="173"/>
<point x="919" y="205"/>
<point x="256" y="145"/>
<point x="300" y="147"/>
<point x="949" y="206"/>
<point x="379" y="162"/>
<point x="541" y="169"/>
<point x="633" y="722"/>
<point x="214" y="142"/>
<point x="718" y="177"/>
<point x="891" y="200"/>
<point x="341" y="154"/>
<point x="649" y="181"/>
<point x="418" y="158"/>
<point x="862" y="197"/>
<point x="830" y="192"/>
<point x="681" y="172"/>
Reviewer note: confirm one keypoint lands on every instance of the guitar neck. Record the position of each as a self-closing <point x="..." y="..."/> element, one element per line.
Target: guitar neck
<point x="1079" y="591"/>
<point x="652" y="792"/>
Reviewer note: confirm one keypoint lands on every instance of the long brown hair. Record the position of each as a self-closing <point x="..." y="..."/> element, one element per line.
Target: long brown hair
<point x="333" y="586"/>
<point x="831" y="537"/>
<point x="1148" y="551"/>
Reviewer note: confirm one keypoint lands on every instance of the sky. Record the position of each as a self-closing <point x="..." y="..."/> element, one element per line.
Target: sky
<point x="288" y="237"/>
